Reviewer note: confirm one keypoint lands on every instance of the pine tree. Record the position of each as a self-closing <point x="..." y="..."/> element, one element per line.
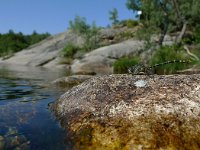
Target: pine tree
<point x="114" y="16"/>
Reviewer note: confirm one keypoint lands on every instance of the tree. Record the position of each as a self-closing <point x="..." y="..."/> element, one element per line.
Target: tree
<point x="11" y="32"/>
<point x="162" y="14"/>
<point x="134" y="5"/>
<point x="151" y="17"/>
<point x="79" y="25"/>
<point x="187" y="14"/>
<point x="114" y="16"/>
<point x="88" y="32"/>
<point x="13" y="42"/>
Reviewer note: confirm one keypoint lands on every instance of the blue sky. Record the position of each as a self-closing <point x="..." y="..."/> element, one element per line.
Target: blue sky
<point x="53" y="16"/>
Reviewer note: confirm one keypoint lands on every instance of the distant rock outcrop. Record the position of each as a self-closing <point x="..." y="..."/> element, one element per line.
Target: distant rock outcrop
<point x="100" y="60"/>
<point x="133" y="112"/>
<point x="45" y="53"/>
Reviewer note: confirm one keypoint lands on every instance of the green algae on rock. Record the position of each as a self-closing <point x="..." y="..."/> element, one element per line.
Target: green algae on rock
<point x="112" y="112"/>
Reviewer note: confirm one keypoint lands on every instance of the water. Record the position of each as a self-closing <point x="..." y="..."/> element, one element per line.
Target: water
<point x="25" y="120"/>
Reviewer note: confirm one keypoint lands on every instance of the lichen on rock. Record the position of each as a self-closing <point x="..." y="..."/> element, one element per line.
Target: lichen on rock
<point x="133" y="112"/>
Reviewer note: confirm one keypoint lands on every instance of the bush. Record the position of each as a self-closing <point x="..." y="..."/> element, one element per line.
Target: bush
<point x="122" y="65"/>
<point x="167" y="53"/>
<point x="126" y="35"/>
<point x="196" y="36"/>
<point x="69" y="50"/>
<point x="132" y="23"/>
<point x="129" y="23"/>
<point x="91" y="39"/>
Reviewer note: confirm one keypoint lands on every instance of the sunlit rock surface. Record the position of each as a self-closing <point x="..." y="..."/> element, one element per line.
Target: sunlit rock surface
<point x="100" y="60"/>
<point x="46" y="52"/>
<point x="71" y="81"/>
<point x="133" y="112"/>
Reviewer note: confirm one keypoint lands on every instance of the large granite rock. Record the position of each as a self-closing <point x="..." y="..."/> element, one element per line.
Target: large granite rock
<point x="108" y="36"/>
<point x="46" y="52"/>
<point x="71" y="81"/>
<point x="133" y="112"/>
<point x="100" y="60"/>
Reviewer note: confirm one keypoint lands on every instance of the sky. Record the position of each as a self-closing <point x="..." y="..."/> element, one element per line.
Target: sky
<point x="53" y="16"/>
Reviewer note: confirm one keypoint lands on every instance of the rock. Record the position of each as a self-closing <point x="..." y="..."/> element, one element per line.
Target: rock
<point x="14" y="140"/>
<point x="133" y="112"/>
<point x="100" y="60"/>
<point x="167" y="41"/>
<point x="70" y="81"/>
<point x="107" y="36"/>
<point x="45" y="52"/>
<point x="194" y="70"/>
<point x="2" y="143"/>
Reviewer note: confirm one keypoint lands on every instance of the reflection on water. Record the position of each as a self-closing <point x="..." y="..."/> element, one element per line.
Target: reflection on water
<point x="25" y="120"/>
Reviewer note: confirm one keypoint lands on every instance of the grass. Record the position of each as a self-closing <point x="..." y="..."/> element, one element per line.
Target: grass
<point x="122" y="65"/>
<point x="167" y="53"/>
<point x="69" y="50"/>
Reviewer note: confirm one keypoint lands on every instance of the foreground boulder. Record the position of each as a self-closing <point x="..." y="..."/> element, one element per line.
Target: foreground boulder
<point x="71" y="81"/>
<point x="133" y="112"/>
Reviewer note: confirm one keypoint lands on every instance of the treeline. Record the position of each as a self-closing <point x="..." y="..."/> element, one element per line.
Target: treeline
<point x="12" y="42"/>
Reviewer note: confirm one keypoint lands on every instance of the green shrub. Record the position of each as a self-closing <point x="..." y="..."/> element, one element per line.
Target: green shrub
<point x="69" y="50"/>
<point x="91" y="38"/>
<point x="122" y="65"/>
<point x="131" y="23"/>
<point x="126" y="35"/>
<point x="167" y="53"/>
<point x="196" y="36"/>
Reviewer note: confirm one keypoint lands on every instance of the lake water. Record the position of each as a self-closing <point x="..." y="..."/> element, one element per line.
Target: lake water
<point x="25" y="120"/>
